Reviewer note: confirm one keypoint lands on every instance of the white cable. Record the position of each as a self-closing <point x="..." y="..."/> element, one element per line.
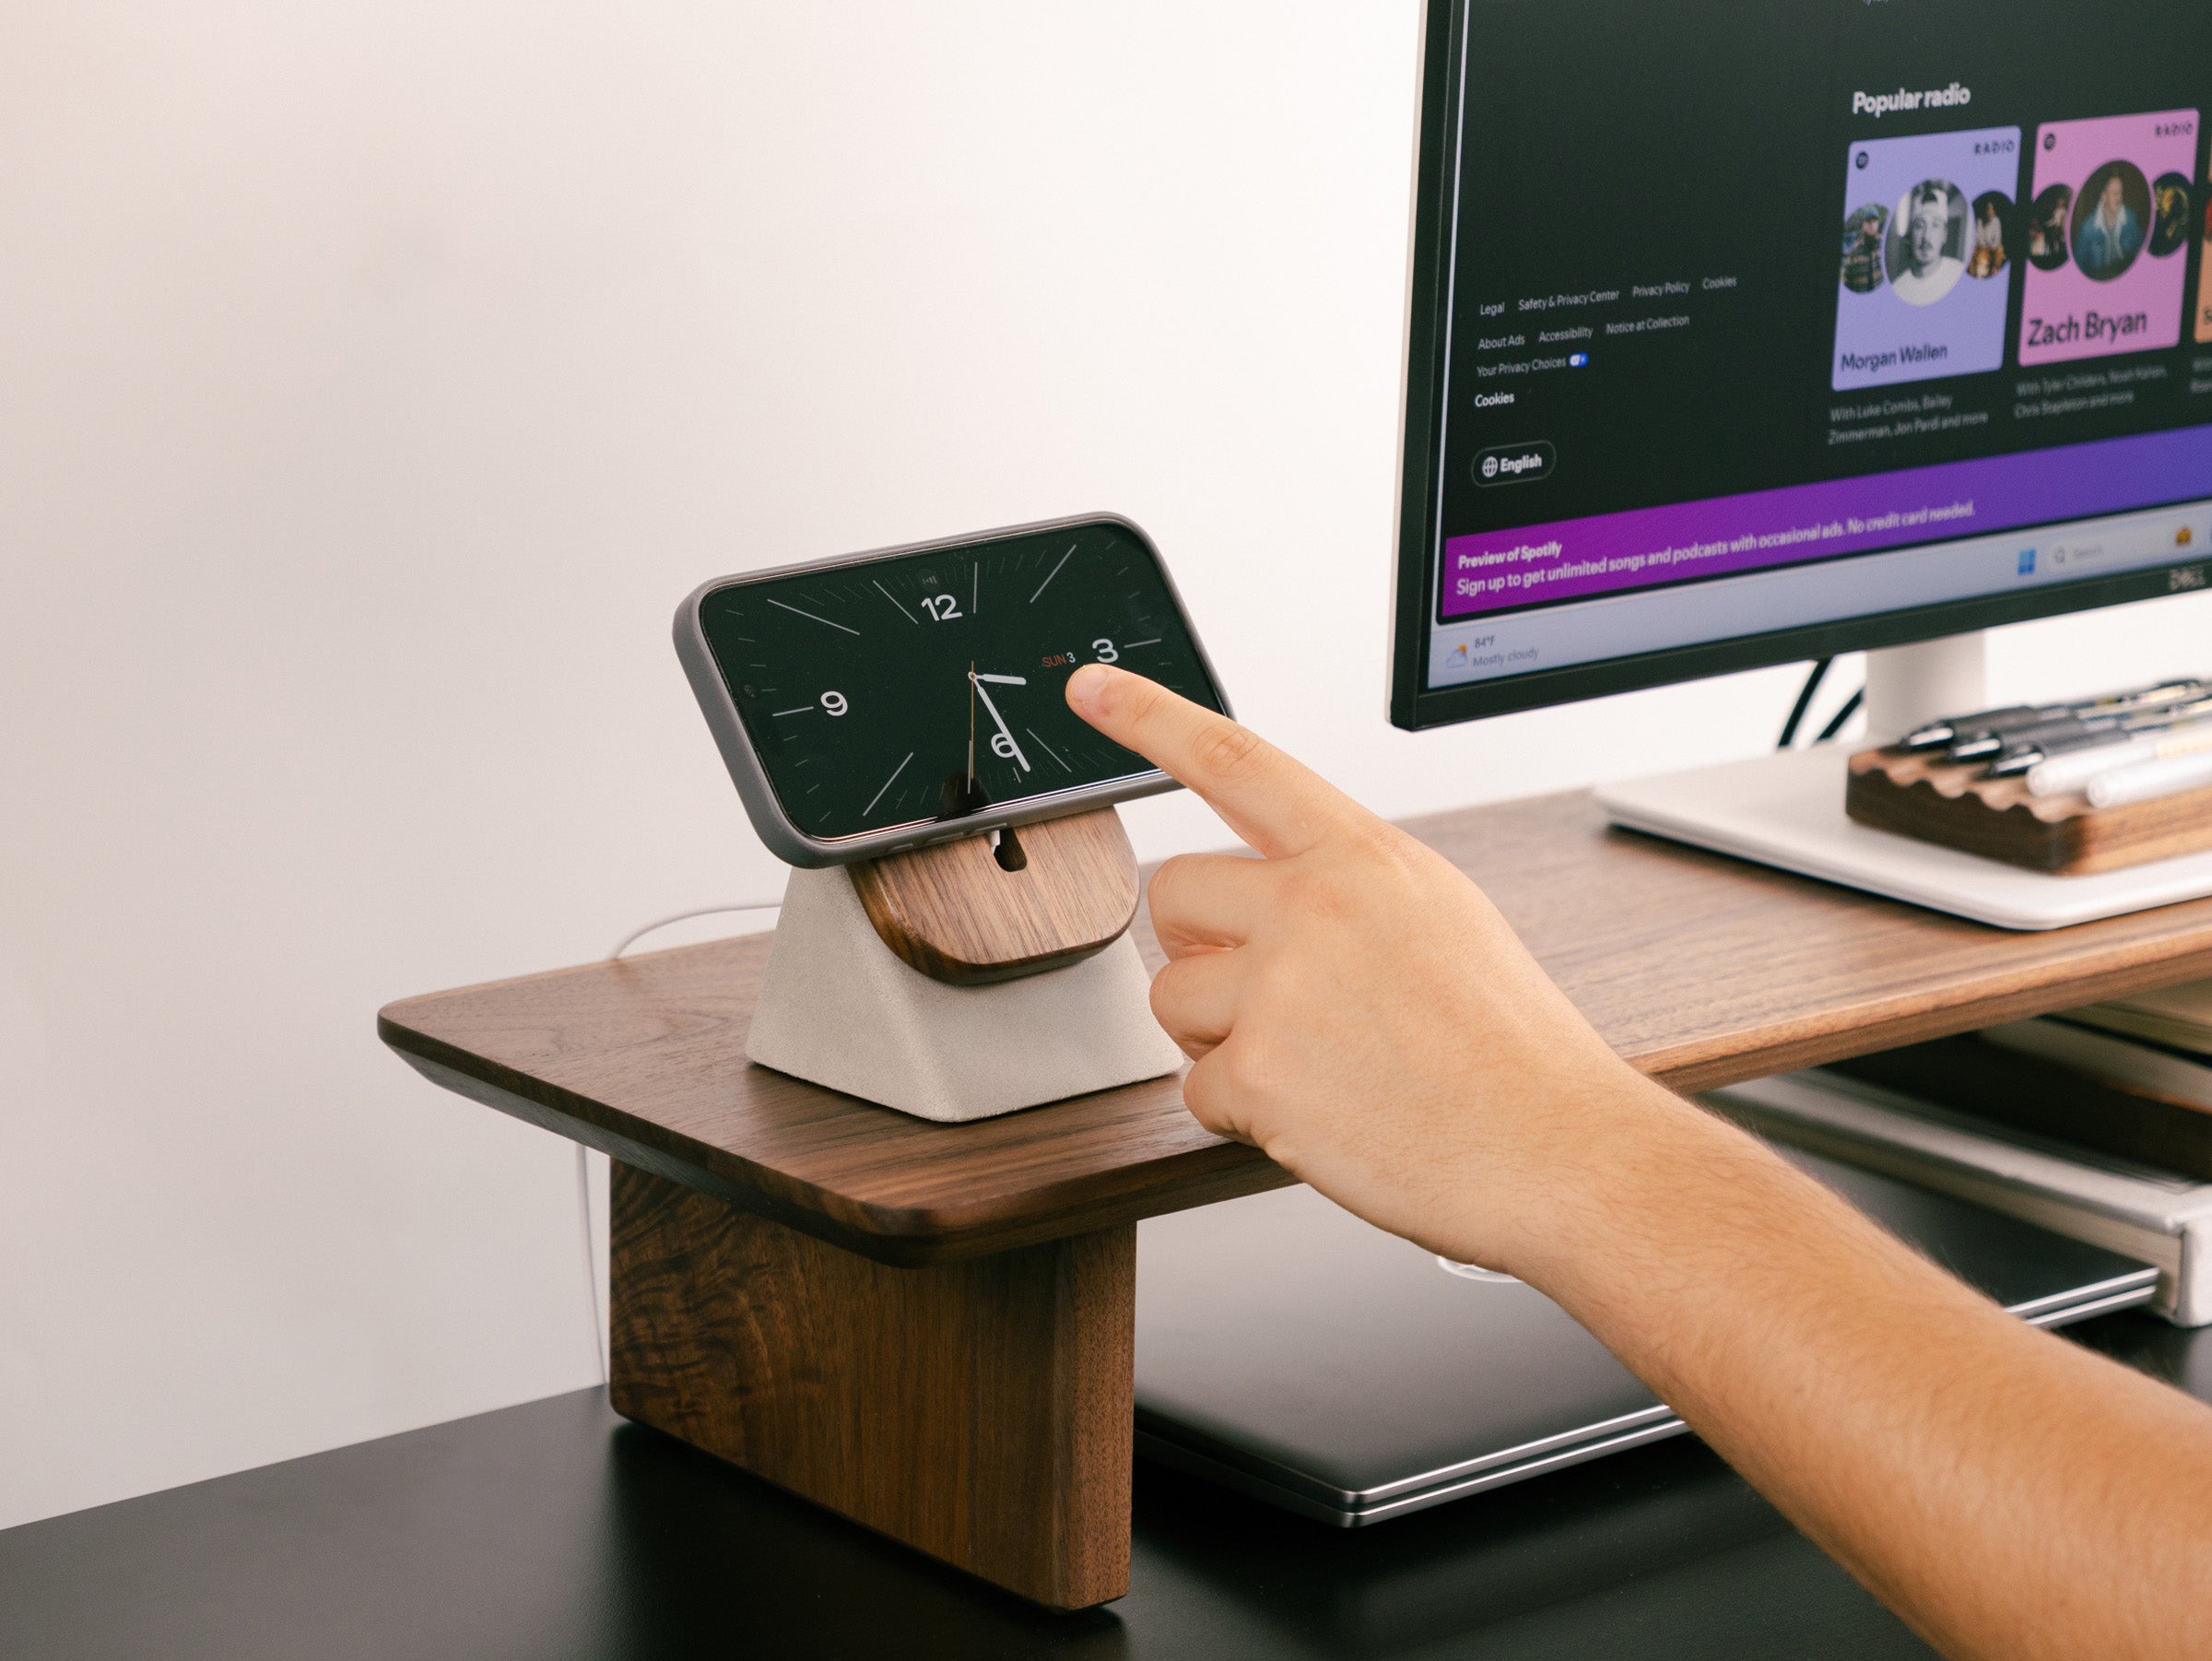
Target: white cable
<point x="1475" y="1271"/>
<point x="591" y="1262"/>
<point x="631" y="938"/>
<point x="583" y="1163"/>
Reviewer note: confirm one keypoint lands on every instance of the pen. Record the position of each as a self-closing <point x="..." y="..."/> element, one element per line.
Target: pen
<point x="2148" y="780"/>
<point x="1988" y="724"/>
<point x="2025" y="750"/>
<point x="2061" y="774"/>
<point x="1958" y="732"/>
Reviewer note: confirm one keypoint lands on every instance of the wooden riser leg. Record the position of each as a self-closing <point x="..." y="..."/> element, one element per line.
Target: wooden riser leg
<point x="980" y="1411"/>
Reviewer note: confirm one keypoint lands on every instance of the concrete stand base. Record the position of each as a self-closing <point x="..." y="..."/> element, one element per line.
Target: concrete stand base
<point x="838" y="1009"/>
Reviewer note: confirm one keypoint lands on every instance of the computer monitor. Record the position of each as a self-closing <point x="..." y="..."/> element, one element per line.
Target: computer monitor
<point x="1749" y="331"/>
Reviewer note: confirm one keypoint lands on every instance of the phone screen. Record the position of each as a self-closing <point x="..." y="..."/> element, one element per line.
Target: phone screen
<point x="930" y="686"/>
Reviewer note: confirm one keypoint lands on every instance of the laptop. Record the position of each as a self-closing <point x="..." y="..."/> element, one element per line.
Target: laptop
<point x="1290" y="1352"/>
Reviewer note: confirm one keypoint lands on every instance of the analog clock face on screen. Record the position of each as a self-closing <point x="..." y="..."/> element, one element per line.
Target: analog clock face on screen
<point x="930" y="686"/>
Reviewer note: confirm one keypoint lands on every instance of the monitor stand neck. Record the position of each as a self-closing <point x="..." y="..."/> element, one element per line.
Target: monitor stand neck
<point x="1908" y="685"/>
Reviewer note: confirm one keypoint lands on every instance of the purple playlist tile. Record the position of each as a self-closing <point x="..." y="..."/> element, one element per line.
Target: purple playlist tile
<point x="1927" y="250"/>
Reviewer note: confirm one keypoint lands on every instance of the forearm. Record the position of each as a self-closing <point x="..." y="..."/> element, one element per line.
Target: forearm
<point x="1353" y="1005"/>
<point x="2011" y="1494"/>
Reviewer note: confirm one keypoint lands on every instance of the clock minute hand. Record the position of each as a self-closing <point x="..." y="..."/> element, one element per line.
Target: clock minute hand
<point x="976" y="680"/>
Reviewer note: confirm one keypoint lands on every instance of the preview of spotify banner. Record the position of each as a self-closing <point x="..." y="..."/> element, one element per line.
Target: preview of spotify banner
<point x="1799" y="524"/>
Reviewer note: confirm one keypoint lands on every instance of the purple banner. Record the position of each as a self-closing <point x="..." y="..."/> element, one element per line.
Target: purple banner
<point x="1647" y="546"/>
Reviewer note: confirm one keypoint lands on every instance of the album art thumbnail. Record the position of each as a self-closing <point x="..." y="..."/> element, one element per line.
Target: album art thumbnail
<point x="2112" y="220"/>
<point x="1930" y="232"/>
<point x="2171" y="219"/>
<point x="1994" y="235"/>
<point x="2204" y="284"/>
<point x="1865" y="240"/>
<point x="2106" y="248"/>
<point x="2050" y="236"/>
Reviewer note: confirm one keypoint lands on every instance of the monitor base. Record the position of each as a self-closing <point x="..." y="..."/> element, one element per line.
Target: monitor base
<point x="1787" y="810"/>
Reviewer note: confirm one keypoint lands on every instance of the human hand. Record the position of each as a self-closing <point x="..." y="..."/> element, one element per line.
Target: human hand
<point x="1358" y="1010"/>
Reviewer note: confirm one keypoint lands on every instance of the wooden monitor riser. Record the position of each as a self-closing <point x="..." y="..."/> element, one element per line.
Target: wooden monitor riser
<point x="925" y="1326"/>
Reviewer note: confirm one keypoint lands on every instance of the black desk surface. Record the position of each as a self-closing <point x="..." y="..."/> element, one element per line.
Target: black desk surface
<point x="555" y="1532"/>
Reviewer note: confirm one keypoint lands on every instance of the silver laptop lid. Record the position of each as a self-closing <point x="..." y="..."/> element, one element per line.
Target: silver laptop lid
<point x="1291" y="1350"/>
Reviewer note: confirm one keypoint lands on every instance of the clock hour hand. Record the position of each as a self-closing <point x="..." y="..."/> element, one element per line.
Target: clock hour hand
<point x="976" y="681"/>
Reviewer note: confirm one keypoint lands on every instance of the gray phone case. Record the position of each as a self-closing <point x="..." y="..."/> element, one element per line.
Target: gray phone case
<point x="793" y="845"/>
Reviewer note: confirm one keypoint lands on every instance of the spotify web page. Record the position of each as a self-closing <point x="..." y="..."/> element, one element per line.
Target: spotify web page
<point x="1763" y="316"/>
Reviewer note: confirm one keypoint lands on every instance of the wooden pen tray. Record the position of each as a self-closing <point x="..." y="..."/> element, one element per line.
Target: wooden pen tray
<point x="1952" y="804"/>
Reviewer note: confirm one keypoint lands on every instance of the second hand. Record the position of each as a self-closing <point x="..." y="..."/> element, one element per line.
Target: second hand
<point x="972" y="732"/>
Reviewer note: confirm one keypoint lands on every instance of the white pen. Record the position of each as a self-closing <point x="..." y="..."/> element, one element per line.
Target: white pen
<point x="2068" y="772"/>
<point x="2148" y="780"/>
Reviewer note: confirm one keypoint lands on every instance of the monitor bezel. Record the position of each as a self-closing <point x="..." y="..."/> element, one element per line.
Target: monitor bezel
<point x="1414" y="705"/>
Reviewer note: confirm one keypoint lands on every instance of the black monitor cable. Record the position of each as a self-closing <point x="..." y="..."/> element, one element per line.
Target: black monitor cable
<point x="583" y="1165"/>
<point x="1842" y="716"/>
<point x="1804" y="703"/>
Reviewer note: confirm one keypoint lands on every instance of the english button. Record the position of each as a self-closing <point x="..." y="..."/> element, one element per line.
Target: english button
<point x="1517" y="464"/>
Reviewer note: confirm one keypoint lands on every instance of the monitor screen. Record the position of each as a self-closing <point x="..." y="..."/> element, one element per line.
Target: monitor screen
<point x="1746" y="330"/>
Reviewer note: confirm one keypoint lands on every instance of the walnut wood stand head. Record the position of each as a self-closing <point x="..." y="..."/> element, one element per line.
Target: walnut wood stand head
<point x="947" y="985"/>
<point x="987" y="908"/>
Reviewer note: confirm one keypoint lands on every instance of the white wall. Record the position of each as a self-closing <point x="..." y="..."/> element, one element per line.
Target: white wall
<point x="374" y="377"/>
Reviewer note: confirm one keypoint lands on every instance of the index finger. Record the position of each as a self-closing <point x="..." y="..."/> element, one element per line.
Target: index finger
<point x="1277" y="806"/>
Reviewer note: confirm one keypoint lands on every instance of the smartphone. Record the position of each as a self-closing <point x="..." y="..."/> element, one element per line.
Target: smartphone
<point x="882" y="701"/>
